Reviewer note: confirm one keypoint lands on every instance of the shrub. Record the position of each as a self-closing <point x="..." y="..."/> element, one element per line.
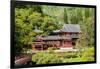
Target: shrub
<point x="88" y="54"/>
<point x="46" y="58"/>
<point x="50" y="57"/>
<point x="70" y="55"/>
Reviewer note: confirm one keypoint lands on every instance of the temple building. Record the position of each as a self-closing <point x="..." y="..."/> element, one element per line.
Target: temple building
<point x="64" y="38"/>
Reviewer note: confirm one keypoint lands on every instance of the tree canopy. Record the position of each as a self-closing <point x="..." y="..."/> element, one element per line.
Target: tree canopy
<point x="48" y="18"/>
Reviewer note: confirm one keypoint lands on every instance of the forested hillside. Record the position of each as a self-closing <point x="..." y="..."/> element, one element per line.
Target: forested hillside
<point x="48" y="18"/>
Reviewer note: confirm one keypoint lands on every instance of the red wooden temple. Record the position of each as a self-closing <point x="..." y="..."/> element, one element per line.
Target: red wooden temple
<point x="65" y="38"/>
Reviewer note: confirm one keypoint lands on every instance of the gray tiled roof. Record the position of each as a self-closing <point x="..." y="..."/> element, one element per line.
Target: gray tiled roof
<point x="56" y="31"/>
<point x="55" y="37"/>
<point x="69" y="28"/>
<point x="51" y="38"/>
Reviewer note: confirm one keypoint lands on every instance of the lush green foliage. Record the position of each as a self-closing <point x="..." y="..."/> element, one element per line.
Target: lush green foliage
<point x="67" y="57"/>
<point x="27" y="20"/>
<point x="49" y="18"/>
<point x="88" y="54"/>
<point x="46" y="58"/>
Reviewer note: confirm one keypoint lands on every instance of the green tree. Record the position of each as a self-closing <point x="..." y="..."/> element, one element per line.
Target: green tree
<point x="65" y="16"/>
<point x="25" y="22"/>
